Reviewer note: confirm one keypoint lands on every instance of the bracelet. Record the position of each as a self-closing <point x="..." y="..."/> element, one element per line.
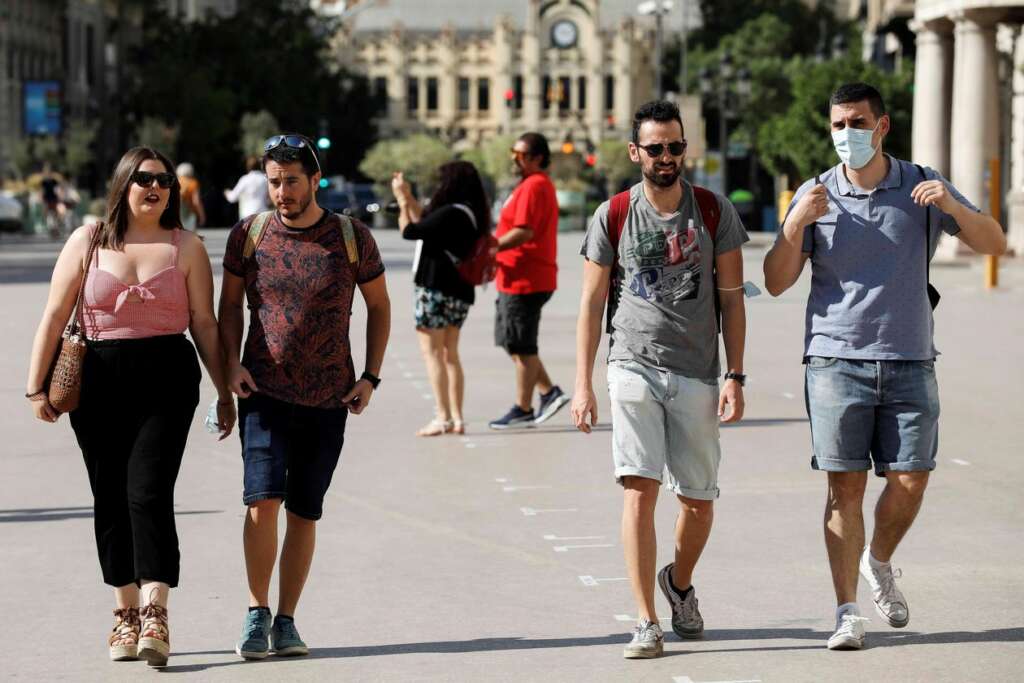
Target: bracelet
<point x="36" y="394"/>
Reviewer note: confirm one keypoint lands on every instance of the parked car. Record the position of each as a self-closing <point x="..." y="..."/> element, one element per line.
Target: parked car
<point x="353" y="199"/>
<point x="12" y="213"/>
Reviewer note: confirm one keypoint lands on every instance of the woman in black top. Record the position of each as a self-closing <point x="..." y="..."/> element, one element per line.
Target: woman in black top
<point x="457" y="215"/>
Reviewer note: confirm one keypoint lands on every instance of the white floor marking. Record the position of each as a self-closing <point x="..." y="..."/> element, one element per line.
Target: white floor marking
<point x="553" y="537"/>
<point x="408" y="374"/>
<point x="532" y="512"/>
<point x="500" y="480"/>
<point x="786" y="394"/>
<point x="687" y="679"/>
<point x="416" y="384"/>
<point x="512" y="489"/>
<point x="626" y="617"/>
<point x="591" y="581"/>
<point x="958" y="461"/>
<point x="427" y="397"/>
<point x="567" y="548"/>
<point x="470" y="444"/>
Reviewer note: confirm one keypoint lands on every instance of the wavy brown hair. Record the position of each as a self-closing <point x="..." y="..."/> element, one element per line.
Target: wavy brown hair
<point x="459" y="183"/>
<point x="118" y="213"/>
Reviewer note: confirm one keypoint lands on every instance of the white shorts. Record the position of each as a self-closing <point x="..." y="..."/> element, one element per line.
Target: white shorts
<point x="663" y="421"/>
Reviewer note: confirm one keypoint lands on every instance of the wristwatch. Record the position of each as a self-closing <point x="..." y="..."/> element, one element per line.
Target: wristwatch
<point x="373" y="379"/>
<point x="739" y="377"/>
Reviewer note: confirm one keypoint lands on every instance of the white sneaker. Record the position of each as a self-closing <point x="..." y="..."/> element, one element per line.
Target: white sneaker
<point x="849" y="633"/>
<point x="889" y="601"/>
<point x="647" y="643"/>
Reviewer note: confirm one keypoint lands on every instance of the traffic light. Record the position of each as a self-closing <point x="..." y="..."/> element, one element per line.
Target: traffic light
<point x="324" y="182"/>
<point x="591" y="159"/>
<point x="323" y="142"/>
<point x="568" y="147"/>
<point x="510" y="96"/>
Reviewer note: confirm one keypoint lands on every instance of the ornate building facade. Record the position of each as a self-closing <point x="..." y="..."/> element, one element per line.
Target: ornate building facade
<point x="563" y="72"/>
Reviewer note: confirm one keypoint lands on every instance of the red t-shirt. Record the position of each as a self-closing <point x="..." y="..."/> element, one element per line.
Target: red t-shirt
<point x="532" y="266"/>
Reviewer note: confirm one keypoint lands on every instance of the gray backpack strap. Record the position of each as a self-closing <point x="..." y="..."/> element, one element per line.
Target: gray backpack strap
<point x="257" y="229"/>
<point x="348" y="233"/>
<point x="469" y="212"/>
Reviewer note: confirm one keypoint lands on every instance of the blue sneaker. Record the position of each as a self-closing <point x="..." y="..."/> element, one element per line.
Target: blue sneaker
<point x="255" y="640"/>
<point x="285" y="638"/>
<point x="517" y="417"/>
<point x="551" y="403"/>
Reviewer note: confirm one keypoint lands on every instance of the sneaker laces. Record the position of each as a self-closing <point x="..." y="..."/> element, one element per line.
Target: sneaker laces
<point x="254" y="626"/>
<point x="887" y="584"/>
<point x="644" y="627"/>
<point x="847" y="622"/>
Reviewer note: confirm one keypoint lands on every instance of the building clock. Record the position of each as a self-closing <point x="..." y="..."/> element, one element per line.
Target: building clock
<point x="564" y="34"/>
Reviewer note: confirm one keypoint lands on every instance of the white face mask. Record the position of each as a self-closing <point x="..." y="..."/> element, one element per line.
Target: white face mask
<point x="853" y="145"/>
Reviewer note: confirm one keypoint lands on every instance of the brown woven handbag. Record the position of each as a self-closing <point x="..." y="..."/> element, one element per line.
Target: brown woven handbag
<point x="64" y="381"/>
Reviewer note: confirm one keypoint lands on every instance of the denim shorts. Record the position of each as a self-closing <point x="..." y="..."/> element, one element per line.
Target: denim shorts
<point x="664" y="422"/>
<point x="289" y="451"/>
<point x="866" y="411"/>
<point x="435" y="310"/>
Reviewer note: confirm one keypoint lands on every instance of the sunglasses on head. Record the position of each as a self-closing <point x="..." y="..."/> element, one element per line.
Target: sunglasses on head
<point x="657" y="149"/>
<point x="292" y="142"/>
<point x="145" y="179"/>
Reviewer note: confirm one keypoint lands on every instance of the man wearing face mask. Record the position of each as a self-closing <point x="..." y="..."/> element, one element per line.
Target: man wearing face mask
<point x="869" y="227"/>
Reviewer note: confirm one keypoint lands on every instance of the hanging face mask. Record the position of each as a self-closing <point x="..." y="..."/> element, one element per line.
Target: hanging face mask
<point x="853" y="145"/>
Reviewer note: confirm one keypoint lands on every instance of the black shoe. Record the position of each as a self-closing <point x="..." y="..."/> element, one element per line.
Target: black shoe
<point x="516" y="417"/>
<point x="551" y="403"/>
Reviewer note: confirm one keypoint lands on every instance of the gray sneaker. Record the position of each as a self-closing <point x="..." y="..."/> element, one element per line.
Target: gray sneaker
<point x="889" y="601"/>
<point x="849" y="633"/>
<point x="255" y="640"/>
<point x="686" y="619"/>
<point x="647" y="643"/>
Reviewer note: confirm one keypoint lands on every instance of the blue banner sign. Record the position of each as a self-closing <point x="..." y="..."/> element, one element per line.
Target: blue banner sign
<point x="42" y="108"/>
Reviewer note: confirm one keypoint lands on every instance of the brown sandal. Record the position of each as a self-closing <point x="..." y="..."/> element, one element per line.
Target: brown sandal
<point x="155" y="643"/>
<point x="124" y="638"/>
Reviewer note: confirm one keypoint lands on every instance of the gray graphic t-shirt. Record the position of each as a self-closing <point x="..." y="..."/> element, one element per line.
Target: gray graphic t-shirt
<point x="665" y="316"/>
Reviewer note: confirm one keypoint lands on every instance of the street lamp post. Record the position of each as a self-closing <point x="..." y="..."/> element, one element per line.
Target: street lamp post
<point x="728" y="91"/>
<point x="658" y="8"/>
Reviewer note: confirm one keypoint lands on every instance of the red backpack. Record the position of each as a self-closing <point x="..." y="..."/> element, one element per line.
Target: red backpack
<point x="479" y="266"/>
<point x="710" y="213"/>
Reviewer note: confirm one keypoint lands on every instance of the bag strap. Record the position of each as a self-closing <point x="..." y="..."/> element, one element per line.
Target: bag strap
<point x="257" y="230"/>
<point x="927" y="234"/>
<point x="348" y="232"/>
<point x="469" y="212"/>
<point x="618" y="208"/>
<point x="710" y="211"/>
<point x="77" y="326"/>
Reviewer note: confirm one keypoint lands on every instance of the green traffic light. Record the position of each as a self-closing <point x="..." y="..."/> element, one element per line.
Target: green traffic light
<point x="324" y="142"/>
<point x="323" y="182"/>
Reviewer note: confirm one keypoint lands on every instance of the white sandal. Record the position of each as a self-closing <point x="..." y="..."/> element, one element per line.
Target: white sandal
<point x="436" y="427"/>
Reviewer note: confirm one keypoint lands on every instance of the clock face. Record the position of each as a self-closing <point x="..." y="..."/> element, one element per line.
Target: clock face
<point x="564" y="34"/>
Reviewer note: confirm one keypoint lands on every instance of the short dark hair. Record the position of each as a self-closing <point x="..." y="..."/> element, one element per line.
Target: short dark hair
<point x="538" y="146"/>
<point x="661" y="111"/>
<point x="858" y="92"/>
<point x="284" y="154"/>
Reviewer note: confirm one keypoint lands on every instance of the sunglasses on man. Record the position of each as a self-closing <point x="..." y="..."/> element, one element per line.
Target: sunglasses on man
<point x="656" y="150"/>
<point x="291" y="142"/>
<point x="145" y="179"/>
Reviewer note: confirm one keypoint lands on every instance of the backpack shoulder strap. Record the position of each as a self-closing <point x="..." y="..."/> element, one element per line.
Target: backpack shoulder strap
<point x="710" y="211"/>
<point x="348" y="232"/>
<point x="468" y="211"/>
<point x="617" y="210"/>
<point x="253" y="237"/>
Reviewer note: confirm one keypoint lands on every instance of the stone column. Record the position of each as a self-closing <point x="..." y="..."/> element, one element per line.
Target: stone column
<point x="594" y="73"/>
<point x="933" y="84"/>
<point x="1015" y="197"/>
<point x="623" y="72"/>
<point x="531" y="68"/>
<point x="396" y="114"/>
<point x="975" y="111"/>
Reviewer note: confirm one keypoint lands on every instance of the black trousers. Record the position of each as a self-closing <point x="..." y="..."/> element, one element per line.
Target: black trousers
<point x="138" y="400"/>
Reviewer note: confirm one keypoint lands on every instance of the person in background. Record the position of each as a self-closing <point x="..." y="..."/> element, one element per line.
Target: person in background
<point x="250" y="192"/>
<point x="193" y="215"/>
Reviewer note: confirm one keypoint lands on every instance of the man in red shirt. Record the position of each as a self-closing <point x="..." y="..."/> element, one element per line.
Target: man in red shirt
<point x="527" y="277"/>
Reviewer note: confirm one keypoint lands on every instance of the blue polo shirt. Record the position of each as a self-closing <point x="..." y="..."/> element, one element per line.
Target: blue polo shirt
<point x="869" y="297"/>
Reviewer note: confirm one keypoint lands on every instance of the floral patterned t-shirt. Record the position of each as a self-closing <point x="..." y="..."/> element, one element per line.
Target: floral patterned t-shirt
<point x="299" y="286"/>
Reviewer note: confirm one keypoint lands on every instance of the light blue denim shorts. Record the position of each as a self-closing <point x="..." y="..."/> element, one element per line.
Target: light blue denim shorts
<point x="865" y="412"/>
<point x="665" y="423"/>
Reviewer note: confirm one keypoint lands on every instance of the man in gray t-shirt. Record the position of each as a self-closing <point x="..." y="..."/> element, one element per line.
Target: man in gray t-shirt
<point x="663" y="248"/>
<point x="869" y="227"/>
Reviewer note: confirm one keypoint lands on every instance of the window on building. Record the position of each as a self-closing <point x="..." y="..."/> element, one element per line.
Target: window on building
<point x="564" y="93"/>
<point x="518" y="88"/>
<point x="483" y="94"/>
<point x="463" y="94"/>
<point x="412" y="94"/>
<point x="581" y="93"/>
<point x="546" y="93"/>
<point x="431" y="94"/>
<point x="609" y="92"/>
<point x="380" y="93"/>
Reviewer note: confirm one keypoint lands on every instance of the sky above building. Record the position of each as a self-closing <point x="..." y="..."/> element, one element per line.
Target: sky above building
<point x="480" y="14"/>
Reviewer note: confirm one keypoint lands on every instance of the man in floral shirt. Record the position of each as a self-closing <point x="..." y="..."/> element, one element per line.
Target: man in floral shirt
<point x="298" y="268"/>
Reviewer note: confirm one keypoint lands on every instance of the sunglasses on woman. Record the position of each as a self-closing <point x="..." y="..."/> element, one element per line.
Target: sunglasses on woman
<point x="292" y="142"/>
<point x="145" y="179"/>
<point x="657" y="149"/>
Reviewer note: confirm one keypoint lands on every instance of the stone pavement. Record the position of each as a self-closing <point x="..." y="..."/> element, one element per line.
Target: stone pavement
<point x="495" y="556"/>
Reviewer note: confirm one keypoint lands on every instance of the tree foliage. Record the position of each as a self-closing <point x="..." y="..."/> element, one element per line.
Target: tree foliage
<point x="417" y="156"/>
<point x="614" y="164"/>
<point x="255" y="128"/>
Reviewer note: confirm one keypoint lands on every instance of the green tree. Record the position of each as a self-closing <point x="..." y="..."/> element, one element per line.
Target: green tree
<point x="614" y="164"/>
<point x="492" y="160"/>
<point x="256" y="127"/>
<point x="78" y="139"/>
<point x="417" y="156"/>
<point x="158" y="134"/>
<point x="796" y="141"/>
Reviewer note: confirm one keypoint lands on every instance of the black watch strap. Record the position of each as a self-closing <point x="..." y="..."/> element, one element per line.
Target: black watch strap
<point x="371" y="378"/>
<point x="741" y="378"/>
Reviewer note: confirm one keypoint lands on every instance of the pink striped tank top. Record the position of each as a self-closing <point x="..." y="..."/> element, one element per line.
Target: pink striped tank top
<point x="154" y="307"/>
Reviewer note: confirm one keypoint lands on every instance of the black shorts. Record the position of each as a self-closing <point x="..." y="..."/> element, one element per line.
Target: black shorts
<point x="517" y="321"/>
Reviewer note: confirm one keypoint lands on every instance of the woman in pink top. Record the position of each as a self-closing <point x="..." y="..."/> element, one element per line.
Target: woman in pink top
<point x="148" y="282"/>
